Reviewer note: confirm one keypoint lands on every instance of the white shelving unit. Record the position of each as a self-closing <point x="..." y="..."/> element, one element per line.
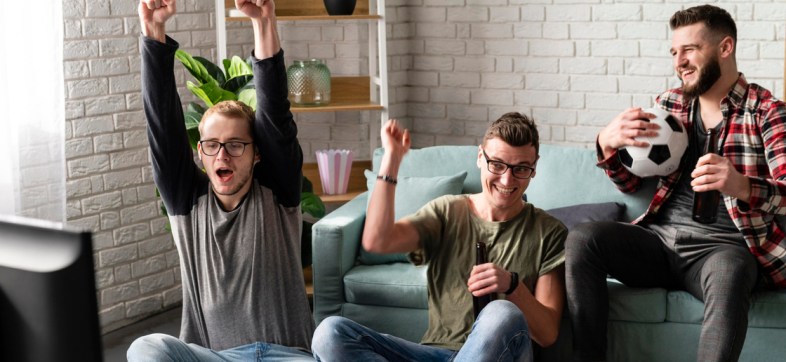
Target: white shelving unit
<point x="348" y="93"/>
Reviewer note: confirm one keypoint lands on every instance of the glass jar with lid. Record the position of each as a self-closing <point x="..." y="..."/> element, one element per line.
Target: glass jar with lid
<point x="309" y="83"/>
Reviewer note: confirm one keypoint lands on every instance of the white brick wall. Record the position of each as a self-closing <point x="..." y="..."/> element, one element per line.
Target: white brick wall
<point x="576" y="64"/>
<point x="454" y="65"/>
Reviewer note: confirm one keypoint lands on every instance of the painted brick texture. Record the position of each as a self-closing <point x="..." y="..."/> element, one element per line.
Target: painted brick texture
<point x="453" y="66"/>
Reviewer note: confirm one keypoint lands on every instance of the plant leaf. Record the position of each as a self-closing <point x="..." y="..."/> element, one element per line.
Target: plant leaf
<point x="239" y="82"/>
<point x="194" y="67"/>
<point x="192" y="127"/>
<point x="249" y="97"/>
<point x="312" y="204"/>
<point x="196" y="108"/>
<point x="236" y="67"/>
<point x="212" y="69"/>
<point x="211" y="93"/>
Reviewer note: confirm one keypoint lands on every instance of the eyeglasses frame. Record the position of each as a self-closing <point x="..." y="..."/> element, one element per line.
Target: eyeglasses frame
<point x="507" y="167"/>
<point x="223" y="144"/>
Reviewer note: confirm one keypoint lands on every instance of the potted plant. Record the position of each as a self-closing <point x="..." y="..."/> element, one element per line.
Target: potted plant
<point x="235" y="82"/>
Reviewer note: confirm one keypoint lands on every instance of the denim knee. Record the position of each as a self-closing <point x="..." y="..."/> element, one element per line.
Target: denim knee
<point x="503" y="314"/>
<point x="152" y="347"/>
<point x="327" y="332"/>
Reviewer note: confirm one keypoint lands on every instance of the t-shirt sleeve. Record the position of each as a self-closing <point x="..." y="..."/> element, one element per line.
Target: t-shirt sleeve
<point x="553" y="249"/>
<point x="429" y="223"/>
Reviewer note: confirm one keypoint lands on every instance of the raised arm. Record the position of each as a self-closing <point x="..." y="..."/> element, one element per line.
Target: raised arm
<point x="381" y="233"/>
<point x="174" y="171"/>
<point x="275" y="131"/>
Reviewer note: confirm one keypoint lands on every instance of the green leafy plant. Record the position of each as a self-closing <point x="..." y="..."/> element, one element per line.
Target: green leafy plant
<point x="235" y="82"/>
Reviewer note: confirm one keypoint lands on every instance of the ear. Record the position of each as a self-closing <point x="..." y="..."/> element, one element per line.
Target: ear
<point x="727" y="45"/>
<point x="199" y="151"/>
<point x="256" y="155"/>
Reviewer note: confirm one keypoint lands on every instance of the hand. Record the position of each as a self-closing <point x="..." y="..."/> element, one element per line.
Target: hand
<point x="715" y="172"/>
<point x="488" y="278"/>
<point x="395" y="139"/>
<point x="153" y="15"/>
<point x="257" y="9"/>
<point x="624" y="128"/>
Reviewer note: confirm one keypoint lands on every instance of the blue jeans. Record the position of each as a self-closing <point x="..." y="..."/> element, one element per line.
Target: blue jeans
<point x="499" y="334"/>
<point x="162" y="347"/>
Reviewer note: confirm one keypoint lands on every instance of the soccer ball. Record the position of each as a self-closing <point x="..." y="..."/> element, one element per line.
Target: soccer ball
<point x="663" y="154"/>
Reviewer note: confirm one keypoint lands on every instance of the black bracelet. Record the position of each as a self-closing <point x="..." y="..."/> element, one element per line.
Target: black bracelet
<point x="514" y="282"/>
<point x="388" y="179"/>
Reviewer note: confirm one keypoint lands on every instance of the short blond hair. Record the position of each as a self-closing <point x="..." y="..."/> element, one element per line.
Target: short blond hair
<point x="233" y="109"/>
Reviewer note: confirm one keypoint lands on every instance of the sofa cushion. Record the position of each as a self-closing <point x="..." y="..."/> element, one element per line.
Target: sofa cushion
<point x="411" y="194"/>
<point x="646" y="305"/>
<point x="577" y="214"/>
<point x="391" y="285"/>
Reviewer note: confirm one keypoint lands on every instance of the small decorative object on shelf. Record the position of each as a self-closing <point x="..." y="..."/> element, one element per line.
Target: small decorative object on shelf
<point x="309" y="83"/>
<point x="340" y="7"/>
<point x="334" y="170"/>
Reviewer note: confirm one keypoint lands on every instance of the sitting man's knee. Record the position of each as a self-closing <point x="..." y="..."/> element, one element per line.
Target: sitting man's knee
<point x="503" y="313"/>
<point x="327" y="330"/>
<point x="152" y="347"/>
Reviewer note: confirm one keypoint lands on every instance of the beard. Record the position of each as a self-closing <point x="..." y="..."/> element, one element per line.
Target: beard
<point x="708" y="75"/>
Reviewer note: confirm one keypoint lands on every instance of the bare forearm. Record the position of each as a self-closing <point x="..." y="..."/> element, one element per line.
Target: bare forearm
<point x="380" y="218"/>
<point x="266" y="43"/>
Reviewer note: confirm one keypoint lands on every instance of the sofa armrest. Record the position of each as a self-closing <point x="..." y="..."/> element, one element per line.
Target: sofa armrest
<point x="335" y="243"/>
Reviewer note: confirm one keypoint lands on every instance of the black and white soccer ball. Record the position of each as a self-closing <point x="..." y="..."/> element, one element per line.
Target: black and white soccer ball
<point x="663" y="155"/>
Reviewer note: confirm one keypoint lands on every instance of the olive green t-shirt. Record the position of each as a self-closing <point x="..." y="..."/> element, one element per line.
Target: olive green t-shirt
<point x="531" y="244"/>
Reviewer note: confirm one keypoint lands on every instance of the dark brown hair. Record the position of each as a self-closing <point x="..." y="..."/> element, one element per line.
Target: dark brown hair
<point x="514" y="129"/>
<point x="718" y="21"/>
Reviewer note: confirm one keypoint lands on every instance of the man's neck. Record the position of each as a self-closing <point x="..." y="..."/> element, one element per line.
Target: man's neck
<point x="710" y="101"/>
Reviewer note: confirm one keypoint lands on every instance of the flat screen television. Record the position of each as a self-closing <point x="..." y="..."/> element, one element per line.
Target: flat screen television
<point x="48" y="308"/>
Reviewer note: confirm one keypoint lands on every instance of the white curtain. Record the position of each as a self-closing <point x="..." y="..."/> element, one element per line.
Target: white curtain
<point x="32" y="110"/>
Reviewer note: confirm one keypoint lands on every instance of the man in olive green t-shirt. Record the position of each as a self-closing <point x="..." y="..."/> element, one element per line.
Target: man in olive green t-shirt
<point x="525" y="246"/>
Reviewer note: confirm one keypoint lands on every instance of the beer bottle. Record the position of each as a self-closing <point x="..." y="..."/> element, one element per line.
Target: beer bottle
<point x="479" y="303"/>
<point x="705" y="204"/>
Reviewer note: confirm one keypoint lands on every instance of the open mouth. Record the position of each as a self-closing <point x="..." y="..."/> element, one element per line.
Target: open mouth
<point x="224" y="174"/>
<point x="505" y="190"/>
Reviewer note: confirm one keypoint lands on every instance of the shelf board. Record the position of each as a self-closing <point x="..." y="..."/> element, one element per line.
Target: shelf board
<point x="346" y="94"/>
<point x="312" y="17"/>
<point x="304" y="10"/>
<point x="356" y="185"/>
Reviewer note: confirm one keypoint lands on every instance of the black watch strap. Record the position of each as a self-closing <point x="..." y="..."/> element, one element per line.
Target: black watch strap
<point x="514" y="282"/>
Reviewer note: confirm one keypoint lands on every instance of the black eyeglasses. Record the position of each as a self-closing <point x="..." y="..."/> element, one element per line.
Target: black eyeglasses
<point x="233" y="148"/>
<point x="499" y="168"/>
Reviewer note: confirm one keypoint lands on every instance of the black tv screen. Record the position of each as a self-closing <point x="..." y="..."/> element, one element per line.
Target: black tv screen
<point x="48" y="309"/>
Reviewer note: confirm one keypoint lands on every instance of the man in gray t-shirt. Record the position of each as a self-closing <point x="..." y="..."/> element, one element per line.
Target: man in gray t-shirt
<point x="236" y="225"/>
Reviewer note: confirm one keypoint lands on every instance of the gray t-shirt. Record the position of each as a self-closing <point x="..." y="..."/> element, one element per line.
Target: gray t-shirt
<point x="241" y="273"/>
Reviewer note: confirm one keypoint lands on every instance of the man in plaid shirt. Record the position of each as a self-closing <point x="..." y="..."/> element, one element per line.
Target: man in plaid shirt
<point x="719" y="263"/>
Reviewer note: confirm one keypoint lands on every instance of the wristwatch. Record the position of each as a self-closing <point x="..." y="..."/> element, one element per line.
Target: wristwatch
<point x="514" y="283"/>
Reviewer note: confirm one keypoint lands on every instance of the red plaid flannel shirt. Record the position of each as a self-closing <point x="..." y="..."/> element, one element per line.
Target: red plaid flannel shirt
<point x="754" y="140"/>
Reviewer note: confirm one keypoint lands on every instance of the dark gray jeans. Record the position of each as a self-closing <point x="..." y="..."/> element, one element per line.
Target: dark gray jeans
<point x="717" y="272"/>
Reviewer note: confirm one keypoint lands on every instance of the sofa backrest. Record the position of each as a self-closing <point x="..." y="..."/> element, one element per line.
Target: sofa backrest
<point x="439" y="161"/>
<point x="569" y="175"/>
<point x="564" y="176"/>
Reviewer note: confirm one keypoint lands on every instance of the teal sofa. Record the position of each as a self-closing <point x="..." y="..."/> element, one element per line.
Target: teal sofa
<point x="389" y="295"/>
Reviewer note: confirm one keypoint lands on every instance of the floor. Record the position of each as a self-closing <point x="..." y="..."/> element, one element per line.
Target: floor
<point x="116" y="343"/>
